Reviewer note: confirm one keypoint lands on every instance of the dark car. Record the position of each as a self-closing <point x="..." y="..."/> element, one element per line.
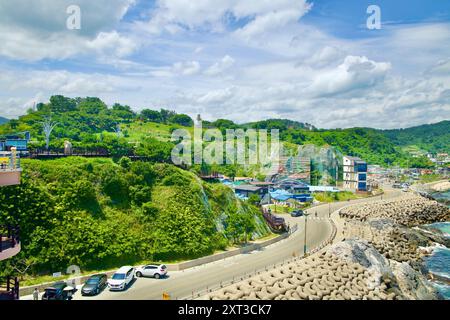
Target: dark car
<point x="94" y="285"/>
<point x="56" y="292"/>
<point x="297" y="213"/>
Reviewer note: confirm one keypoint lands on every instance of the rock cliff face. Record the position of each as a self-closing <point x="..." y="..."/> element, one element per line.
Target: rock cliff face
<point x="411" y="283"/>
<point x="399" y="277"/>
<point x="361" y="252"/>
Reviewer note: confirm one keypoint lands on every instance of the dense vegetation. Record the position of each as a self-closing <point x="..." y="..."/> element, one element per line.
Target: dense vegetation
<point x="98" y="214"/>
<point x="90" y="123"/>
<point x="430" y="137"/>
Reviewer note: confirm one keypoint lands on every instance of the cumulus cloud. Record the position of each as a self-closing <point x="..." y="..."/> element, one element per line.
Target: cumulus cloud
<point x="36" y="30"/>
<point x="186" y="68"/>
<point x="221" y="66"/>
<point x="242" y="60"/>
<point x="262" y="15"/>
<point x="354" y="73"/>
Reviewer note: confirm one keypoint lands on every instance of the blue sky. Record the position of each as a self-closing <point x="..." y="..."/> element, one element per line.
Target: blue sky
<point x="311" y="61"/>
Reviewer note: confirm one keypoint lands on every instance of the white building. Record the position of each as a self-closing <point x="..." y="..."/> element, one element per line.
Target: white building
<point x="355" y="174"/>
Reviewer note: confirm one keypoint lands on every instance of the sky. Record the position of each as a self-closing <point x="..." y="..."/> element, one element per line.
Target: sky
<point x="305" y="60"/>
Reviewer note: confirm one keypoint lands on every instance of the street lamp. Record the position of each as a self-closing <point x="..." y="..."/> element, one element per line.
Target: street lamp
<point x="306" y="223"/>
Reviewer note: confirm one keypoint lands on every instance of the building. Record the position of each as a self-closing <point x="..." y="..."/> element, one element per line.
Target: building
<point x="245" y="190"/>
<point x="18" y="141"/>
<point x="355" y="174"/>
<point x="10" y="170"/>
<point x="292" y="167"/>
<point x="10" y="173"/>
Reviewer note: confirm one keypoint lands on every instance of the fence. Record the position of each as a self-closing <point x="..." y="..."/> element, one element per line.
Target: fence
<point x="9" y="239"/>
<point x="9" y="289"/>
<point x="60" y="153"/>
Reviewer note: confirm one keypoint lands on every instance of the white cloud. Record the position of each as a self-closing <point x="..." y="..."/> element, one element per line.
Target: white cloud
<point x="221" y="66"/>
<point x="354" y="73"/>
<point x="175" y="15"/>
<point x="36" y="30"/>
<point x="186" y="68"/>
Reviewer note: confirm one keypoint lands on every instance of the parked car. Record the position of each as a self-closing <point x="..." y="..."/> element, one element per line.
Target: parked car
<point x="94" y="285"/>
<point x="297" y="213"/>
<point x="122" y="278"/>
<point x="151" y="270"/>
<point x="58" y="291"/>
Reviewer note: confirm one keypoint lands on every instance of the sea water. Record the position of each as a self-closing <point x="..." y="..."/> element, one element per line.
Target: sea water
<point x="439" y="262"/>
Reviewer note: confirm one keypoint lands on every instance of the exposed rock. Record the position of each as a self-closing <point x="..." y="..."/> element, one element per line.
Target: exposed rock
<point x="349" y="270"/>
<point x="412" y="284"/>
<point x="357" y="251"/>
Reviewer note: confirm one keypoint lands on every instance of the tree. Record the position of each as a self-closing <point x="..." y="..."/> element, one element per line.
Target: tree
<point x="47" y="127"/>
<point x="151" y="115"/>
<point x="166" y="115"/>
<point x="13" y="123"/>
<point x="60" y="103"/>
<point x="182" y="119"/>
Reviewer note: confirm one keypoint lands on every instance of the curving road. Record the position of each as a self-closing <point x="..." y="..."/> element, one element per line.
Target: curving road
<point x="181" y="284"/>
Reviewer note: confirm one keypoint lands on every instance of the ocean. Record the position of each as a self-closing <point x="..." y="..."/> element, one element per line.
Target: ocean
<point x="439" y="261"/>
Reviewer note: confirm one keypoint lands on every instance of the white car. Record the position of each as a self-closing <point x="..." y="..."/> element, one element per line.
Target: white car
<point x="121" y="279"/>
<point x="151" y="270"/>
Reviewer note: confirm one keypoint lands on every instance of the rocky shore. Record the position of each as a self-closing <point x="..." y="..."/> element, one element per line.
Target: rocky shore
<point x="440" y="186"/>
<point x="409" y="211"/>
<point x="349" y="270"/>
<point x="380" y="258"/>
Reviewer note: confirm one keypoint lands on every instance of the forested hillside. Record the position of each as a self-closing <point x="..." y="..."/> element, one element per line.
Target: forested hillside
<point x="429" y="137"/>
<point x="90" y="123"/>
<point x="98" y="214"/>
<point x="3" y="120"/>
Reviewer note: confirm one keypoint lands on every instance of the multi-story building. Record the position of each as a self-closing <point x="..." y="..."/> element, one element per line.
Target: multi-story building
<point x="355" y="173"/>
<point x="10" y="172"/>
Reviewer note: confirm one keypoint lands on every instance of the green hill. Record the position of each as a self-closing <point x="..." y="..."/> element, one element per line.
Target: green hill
<point x="3" y="120"/>
<point x="97" y="214"/>
<point x="90" y="124"/>
<point x="429" y="137"/>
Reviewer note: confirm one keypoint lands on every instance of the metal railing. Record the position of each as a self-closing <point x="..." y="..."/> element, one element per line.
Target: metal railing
<point x="9" y="237"/>
<point x="9" y="288"/>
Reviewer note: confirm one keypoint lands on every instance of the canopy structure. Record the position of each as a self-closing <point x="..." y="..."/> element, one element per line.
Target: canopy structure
<point x="281" y="195"/>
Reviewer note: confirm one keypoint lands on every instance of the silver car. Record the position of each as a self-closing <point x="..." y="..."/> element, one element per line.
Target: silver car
<point x="151" y="270"/>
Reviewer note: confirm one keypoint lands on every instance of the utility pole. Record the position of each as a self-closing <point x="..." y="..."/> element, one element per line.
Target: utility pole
<point x="306" y="222"/>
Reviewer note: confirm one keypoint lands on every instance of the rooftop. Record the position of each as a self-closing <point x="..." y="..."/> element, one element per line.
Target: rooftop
<point x="247" y="187"/>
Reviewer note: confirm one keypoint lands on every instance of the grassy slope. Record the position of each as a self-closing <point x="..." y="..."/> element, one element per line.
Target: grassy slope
<point x="96" y="214"/>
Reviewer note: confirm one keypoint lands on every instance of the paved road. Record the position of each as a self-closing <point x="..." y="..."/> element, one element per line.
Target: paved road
<point x="181" y="284"/>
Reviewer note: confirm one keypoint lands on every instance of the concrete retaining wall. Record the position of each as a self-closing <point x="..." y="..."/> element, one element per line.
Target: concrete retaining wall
<point x="24" y="291"/>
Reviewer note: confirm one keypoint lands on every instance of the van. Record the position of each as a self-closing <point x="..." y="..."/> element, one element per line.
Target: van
<point x="121" y="279"/>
